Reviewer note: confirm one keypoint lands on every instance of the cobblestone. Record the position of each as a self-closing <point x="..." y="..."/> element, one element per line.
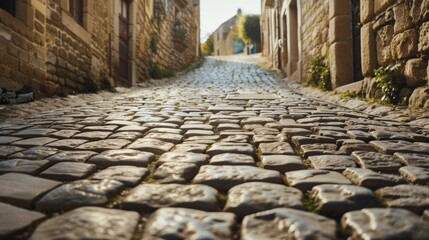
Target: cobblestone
<point x="149" y="197"/>
<point x="253" y="197"/>
<point x="377" y="223"/>
<point x="122" y="157"/>
<point x="225" y="151"/>
<point x="181" y="223"/>
<point x="89" y="222"/>
<point x="79" y="193"/>
<point x="22" y="190"/>
<point x="335" y="200"/>
<point x="17" y="219"/>
<point x="283" y="223"/>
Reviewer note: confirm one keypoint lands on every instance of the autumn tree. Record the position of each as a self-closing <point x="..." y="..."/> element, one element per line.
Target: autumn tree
<point x="252" y="29"/>
<point x="208" y="46"/>
<point x="248" y="29"/>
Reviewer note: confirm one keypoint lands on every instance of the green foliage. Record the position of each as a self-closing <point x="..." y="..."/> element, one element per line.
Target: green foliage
<point x="309" y="202"/>
<point x="350" y="95"/>
<point x="388" y="84"/>
<point x="91" y="85"/>
<point x="252" y="28"/>
<point x="153" y="44"/>
<point x="318" y="74"/>
<point x="208" y="46"/>
<point x="158" y="72"/>
<point x="248" y="29"/>
<point x="106" y="85"/>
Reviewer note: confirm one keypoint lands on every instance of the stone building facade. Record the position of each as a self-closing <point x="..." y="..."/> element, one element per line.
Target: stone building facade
<point x="354" y="37"/>
<point x="224" y="42"/>
<point x="58" y="47"/>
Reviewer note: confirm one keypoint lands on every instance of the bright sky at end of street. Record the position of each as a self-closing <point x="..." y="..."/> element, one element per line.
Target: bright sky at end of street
<point x="215" y="12"/>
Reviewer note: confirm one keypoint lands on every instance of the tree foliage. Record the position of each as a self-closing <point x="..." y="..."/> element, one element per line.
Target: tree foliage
<point x="208" y="46"/>
<point x="252" y="28"/>
<point x="248" y="29"/>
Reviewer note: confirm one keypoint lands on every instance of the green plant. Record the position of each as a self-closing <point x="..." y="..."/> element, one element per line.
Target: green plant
<point x="107" y="85"/>
<point x="157" y="72"/>
<point x="208" y="46"/>
<point x="318" y="74"/>
<point x="153" y="44"/>
<point x="388" y="84"/>
<point x="91" y="85"/>
<point x="350" y="95"/>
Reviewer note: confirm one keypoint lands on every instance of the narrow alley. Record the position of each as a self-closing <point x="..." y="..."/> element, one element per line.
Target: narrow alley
<point x="224" y="151"/>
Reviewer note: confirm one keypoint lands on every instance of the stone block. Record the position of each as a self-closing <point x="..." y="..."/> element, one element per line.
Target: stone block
<point x="384" y="19"/>
<point x="403" y="20"/>
<point x="16" y="220"/>
<point x="338" y="8"/>
<point x="404" y="45"/>
<point x="408" y="197"/>
<point x="424" y="38"/>
<point x="356" y="87"/>
<point x="340" y="59"/>
<point x="419" y="11"/>
<point x="89" y="223"/>
<point x="149" y="197"/>
<point x="416" y="72"/>
<point x="366" y="11"/>
<point x="181" y="223"/>
<point x="339" y="29"/>
<point x="381" y="5"/>
<point x="5" y="33"/>
<point x="419" y="97"/>
<point x="368" y="50"/>
<point x="383" y="39"/>
<point x="287" y="223"/>
<point x="382" y="223"/>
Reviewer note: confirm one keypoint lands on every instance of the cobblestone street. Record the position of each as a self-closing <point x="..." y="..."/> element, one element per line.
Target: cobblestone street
<point x="224" y="151"/>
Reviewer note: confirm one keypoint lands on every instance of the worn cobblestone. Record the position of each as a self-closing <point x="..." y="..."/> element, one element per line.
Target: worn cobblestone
<point x="191" y="156"/>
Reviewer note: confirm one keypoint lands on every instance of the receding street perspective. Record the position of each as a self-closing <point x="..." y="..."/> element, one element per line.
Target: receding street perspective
<point x="214" y="119"/>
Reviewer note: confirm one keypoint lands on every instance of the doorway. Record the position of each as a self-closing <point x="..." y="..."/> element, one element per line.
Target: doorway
<point x="124" y="40"/>
<point x="356" y="44"/>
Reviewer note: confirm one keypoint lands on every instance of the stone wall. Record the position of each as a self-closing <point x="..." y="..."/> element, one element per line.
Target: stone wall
<point x="43" y="47"/>
<point x="22" y="41"/>
<point x="167" y="38"/>
<point x="76" y="55"/>
<point x="223" y="37"/>
<point x="314" y="31"/>
<point x="269" y="38"/>
<point x="397" y="32"/>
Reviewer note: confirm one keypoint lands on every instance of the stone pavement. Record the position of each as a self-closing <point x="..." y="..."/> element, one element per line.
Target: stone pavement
<point x="224" y="151"/>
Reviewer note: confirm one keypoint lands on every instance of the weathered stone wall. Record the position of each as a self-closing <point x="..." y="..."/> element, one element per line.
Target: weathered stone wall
<point x="22" y="42"/>
<point x="76" y="55"/>
<point x="397" y="32"/>
<point x="269" y="36"/>
<point x="167" y="38"/>
<point x="45" y="48"/>
<point x="314" y="31"/>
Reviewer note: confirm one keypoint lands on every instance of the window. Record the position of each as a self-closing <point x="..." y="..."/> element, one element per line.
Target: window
<point x="76" y="10"/>
<point x="8" y="6"/>
<point x="160" y="8"/>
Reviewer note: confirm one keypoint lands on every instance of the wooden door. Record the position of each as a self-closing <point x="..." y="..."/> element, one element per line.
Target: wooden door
<point x="123" y="39"/>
